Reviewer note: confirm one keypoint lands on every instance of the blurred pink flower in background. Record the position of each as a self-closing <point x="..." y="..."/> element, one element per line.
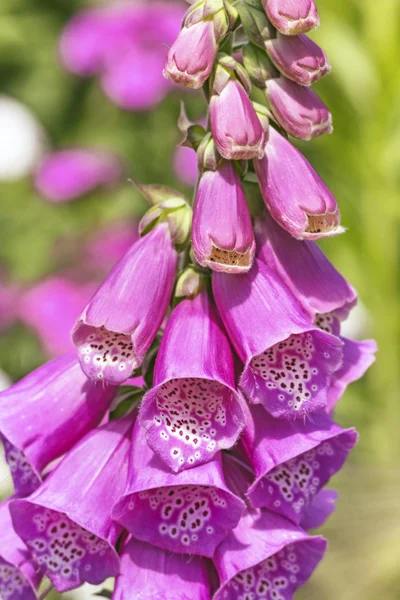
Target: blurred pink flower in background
<point x="107" y="246"/>
<point x="68" y="174"/>
<point x="185" y="165"/>
<point x="126" y="44"/>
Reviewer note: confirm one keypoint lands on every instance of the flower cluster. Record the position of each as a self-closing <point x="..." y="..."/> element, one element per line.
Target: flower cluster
<point x="202" y="478"/>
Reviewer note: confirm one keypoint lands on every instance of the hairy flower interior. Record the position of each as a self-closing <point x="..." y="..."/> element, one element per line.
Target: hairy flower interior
<point x="13" y="584"/>
<point x="24" y="478"/>
<point x="103" y="349"/>
<point x="272" y="579"/>
<point x="322" y="223"/>
<point x="230" y="258"/>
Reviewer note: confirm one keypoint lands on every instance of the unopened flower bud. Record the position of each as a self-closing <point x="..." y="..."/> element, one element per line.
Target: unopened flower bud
<point x="191" y="57"/>
<point x="298" y="58"/>
<point x="207" y="155"/>
<point x="189" y="283"/>
<point x="291" y="17"/>
<point x="258" y="65"/>
<point x="235" y="126"/>
<point x="255" y="23"/>
<point x="298" y="109"/>
<point x="223" y="238"/>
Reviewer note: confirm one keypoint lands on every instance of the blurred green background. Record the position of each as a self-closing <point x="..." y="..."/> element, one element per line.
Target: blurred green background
<point x="360" y="162"/>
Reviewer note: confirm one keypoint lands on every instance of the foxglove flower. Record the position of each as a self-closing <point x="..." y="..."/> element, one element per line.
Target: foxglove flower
<point x="193" y="410"/>
<point x="291" y="17"/>
<point x="298" y="109"/>
<point x="69" y="174"/>
<point x="149" y="573"/>
<point x="185" y="165"/>
<point x="357" y="358"/>
<point x="292" y="461"/>
<point x="222" y="231"/>
<point x="45" y="414"/>
<point x="298" y="58"/>
<point x="40" y="308"/>
<point x="266" y="556"/>
<point x="303" y="267"/>
<point x="189" y="512"/>
<point x="191" y="57"/>
<point x="121" y="321"/>
<point x="70" y="542"/>
<point x="294" y="194"/>
<point x="320" y="509"/>
<point x="288" y="361"/>
<point x="19" y="578"/>
<point x="235" y="126"/>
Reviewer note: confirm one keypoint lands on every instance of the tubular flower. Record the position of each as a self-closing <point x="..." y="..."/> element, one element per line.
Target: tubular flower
<point x="294" y="194"/>
<point x="189" y="512"/>
<point x="66" y="541"/>
<point x="193" y="409"/>
<point x="291" y="17"/>
<point x="298" y="109"/>
<point x="288" y="361"/>
<point x="148" y="573"/>
<point x="33" y="435"/>
<point x="292" y="461"/>
<point x="119" y="324"/>
<point x="281" y="559"/>
<point x="235" y="126"/>
<point x="298" y="58"/>
<point x="19" y="577"/>
<point x="223" y="236"/>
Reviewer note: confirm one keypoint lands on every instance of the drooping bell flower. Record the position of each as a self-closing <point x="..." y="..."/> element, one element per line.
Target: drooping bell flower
<point x="266" y="556"/>
<point x="120" y="322"/>
<point x="149" y="573"/>
<point x="189" y="512"/>
<point x="222" y="231"/>
<point x="291" y="17"/>
<point x="298" y="58"/>
<point x="40" y="308"/>
<point x="288" y="361"/>
<point x="69" y="174"/>
<point x="191" y="57"/>
<point x="67" y="539"/>
<point x="320" y="509"/>
<point x="236" y="128"/>
<point x="304" y="268"/>
<point x="19" y="578"/>
<point x="358" y="356"/>
<point x="295" y="195"/>
<point x="292" y="461"/>
<point x="298" y="109"/>
<point x="193" y="410"/>
<point x="45" y="414"/>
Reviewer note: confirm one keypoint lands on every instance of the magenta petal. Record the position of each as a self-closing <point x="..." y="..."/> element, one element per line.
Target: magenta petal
<point x="149" y="573"/>
<point x="319" y="510"/>
<point x="69" y="542"/>
<point x="34" y="434"/>
<point x="288" y="361"/>
<point x="266" y="556"/>
<point x="223" y="238"/>
<point x="298" y="58"/>
<point x="19" y="578"/>
<point x="193" y="410"/>
<point x="191" y="57"/>
<point x="40" y="308"/>
<point x="69" y="174"/>
<point x="357" y="358"/>
<point x="120" y="322"/>
<point x="294" y="194"/>
<point x="235" y="126"/>
<point x="190" y="512"/>
<point x="293" y="461"/>
<point x="291" y="17"/>
<point x="305" y="269"/>
<point x="298" y="109"/>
